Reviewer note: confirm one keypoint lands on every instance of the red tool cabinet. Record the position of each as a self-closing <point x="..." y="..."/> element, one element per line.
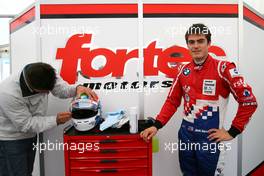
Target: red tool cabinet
<point x="108" y="153"/>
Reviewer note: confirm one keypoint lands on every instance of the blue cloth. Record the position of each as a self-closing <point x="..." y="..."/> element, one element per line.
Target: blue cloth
<point x="111" y="119"/>
<point x="199" y="161"/>
<point x="17" y="157"/>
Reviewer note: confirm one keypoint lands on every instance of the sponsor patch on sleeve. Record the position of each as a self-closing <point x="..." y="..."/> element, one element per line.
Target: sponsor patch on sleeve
<point x="240" y="83"/>
<point x="234" y="72"/>
<point x="246" y="93"/>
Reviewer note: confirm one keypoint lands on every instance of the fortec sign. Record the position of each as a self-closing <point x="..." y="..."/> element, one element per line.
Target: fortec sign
<point x="116" y="60"/>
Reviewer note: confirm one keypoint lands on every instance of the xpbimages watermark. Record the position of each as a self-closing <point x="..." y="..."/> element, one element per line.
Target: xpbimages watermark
<point x="192" y="146"/>
<point x="57" y="146"/>
<point x="175" y="31"/>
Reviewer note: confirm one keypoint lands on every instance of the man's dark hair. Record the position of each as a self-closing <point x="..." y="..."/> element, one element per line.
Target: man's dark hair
<point x="198" y="29"/>
<point x="40" y="76"/>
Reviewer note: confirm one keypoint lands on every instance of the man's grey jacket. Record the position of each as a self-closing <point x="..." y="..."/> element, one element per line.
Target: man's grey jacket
<point x="23" y="114"/>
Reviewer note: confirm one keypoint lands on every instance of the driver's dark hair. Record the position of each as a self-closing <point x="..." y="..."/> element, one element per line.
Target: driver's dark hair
<point x="198" y="29"/>
<point x="40" y="76"/>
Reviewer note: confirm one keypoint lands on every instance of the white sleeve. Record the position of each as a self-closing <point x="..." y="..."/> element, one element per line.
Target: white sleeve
<point x="17" y="111"/>
<point x="62" y="89"/>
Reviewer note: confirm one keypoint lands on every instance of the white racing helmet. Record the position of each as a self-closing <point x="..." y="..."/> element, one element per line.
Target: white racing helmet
<point x="85" y="114"/>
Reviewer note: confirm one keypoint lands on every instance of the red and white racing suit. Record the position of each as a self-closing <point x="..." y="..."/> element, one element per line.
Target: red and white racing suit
<point x="205" y="89"/>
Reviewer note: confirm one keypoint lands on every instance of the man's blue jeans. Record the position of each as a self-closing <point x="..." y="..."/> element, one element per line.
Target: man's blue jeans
<point x="17" y="157"/>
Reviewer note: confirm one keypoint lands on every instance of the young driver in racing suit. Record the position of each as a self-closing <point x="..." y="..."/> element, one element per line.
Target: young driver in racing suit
<point x="204" y="84"/>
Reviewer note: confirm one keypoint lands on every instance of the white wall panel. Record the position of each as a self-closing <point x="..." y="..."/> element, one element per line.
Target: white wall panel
<point x="23" y="47"/>
<point x="251" y="67"/>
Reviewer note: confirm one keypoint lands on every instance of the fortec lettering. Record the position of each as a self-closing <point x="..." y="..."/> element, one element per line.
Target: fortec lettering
<point x="116" y="60"/>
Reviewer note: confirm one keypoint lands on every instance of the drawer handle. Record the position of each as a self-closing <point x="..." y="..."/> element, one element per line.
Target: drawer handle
<point x="108" y="170"/>
<point x="108" y="161"/>
<point x="108" y="151"/>
<point x="105" y="141"/>
<point x="108" y="141"/>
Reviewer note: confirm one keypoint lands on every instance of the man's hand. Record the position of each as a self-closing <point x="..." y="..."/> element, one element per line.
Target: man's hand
<point x="63" y="117"/>
<point x="219" y="135"/>
<point x="81" y="89"/>
<point x="148" y="133"/>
